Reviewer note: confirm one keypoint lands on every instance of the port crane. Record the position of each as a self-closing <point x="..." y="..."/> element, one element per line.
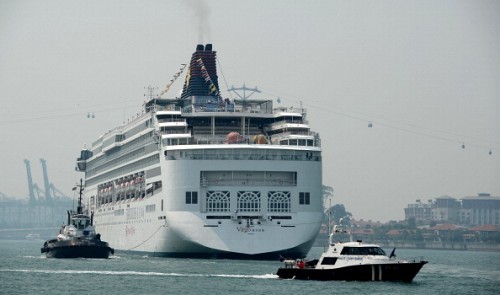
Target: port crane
<point x="35" y="193"/>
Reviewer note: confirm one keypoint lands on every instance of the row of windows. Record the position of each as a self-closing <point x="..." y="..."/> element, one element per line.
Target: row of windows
<point x="135" y="166"/>
<point x="122" y="154"/>
<point x="362" y="251"/>
<point x="248" y="178"/>
<point x="245" y="154"/>
<point x="254" y="156"/>
<point x="248" y="201"/>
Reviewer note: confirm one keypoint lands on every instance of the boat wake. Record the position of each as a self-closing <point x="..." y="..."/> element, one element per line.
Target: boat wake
<point x="137" y="273"/>
<point x="33" y="257"/>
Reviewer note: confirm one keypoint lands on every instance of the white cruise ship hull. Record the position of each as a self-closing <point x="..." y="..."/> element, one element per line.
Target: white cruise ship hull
<point x="184" y="230"/>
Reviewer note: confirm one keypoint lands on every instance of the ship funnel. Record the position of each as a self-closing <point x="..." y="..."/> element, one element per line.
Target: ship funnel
<point x="202" y="80"/>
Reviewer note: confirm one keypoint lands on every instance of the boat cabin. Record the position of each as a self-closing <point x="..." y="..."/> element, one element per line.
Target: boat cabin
<point x="80" y="221"/>
<point x="80" y="226"/>
<point x="350" y="253"/>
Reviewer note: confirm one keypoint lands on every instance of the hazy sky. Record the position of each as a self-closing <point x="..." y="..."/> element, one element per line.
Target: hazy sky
<point x="425" y="73"/>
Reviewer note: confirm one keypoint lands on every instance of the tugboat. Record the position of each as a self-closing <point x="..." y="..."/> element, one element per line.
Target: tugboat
<point x="352" y="261"/>
<point x="78" y="238"/>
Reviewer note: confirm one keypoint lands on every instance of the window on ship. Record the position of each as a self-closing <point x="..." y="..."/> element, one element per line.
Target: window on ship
<point x="362" y="251"/>
<point x="329" y="260"/>
<point x="304" y="198"/>
<point x="191" y="197"/>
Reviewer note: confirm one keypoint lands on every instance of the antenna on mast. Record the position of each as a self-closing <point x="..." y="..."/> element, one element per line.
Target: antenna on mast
<point x="245" y="89"/>
<point x="150" y="92"/>
<point x="79" y="208"/>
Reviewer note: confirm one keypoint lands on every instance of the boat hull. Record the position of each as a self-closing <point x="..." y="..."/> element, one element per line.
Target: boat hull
<point x="70" y="249"/>
<point x="207" y="253"/>
<point x="404" y="272"/>
<point x="227" y="240"/>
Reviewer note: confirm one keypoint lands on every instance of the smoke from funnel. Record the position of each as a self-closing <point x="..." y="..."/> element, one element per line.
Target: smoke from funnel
<point x="201" y="13"/>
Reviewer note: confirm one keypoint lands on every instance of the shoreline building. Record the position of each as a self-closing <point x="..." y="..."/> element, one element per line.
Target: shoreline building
<point x="480" y="210"/>
<point x="470" y="210"/>
<point x="420" y="211"/>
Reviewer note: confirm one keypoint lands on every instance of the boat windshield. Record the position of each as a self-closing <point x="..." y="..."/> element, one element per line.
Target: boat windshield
<point x="362" y="251"/>
<point x="80" y="223"/>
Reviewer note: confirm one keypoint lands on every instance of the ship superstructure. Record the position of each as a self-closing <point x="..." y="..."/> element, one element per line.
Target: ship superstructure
<point x="207" y="176"/>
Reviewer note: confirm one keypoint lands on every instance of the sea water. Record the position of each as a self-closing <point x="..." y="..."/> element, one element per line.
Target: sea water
<point x="24" y="270"/>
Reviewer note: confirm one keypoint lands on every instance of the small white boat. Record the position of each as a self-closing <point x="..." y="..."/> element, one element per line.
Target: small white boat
<point x="352" y="261"/>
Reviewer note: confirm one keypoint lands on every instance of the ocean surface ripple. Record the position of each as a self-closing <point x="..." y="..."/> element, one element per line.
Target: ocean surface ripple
<point x="24" y="271"/>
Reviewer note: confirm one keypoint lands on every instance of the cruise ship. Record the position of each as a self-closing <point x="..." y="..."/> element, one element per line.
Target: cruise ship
<point x="202" y="175"/>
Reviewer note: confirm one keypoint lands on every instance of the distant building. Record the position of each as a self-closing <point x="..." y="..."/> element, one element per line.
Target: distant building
<point x="480" y="210"/>
<point x="445" y="208"/>
<point x="472" y="210"/>
<point x="419" y="211"/>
